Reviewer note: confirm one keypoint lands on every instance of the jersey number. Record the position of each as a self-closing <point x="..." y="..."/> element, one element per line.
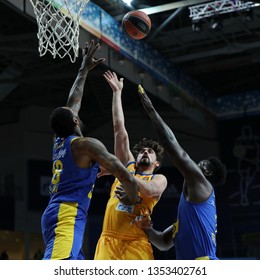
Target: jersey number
<point x="56" y="170"/>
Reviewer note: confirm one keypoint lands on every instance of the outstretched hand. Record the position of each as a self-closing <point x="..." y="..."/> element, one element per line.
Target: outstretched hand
<point x="147" y="103"/>
<point x="88" y="53"/>
<point x="112" y="79"/>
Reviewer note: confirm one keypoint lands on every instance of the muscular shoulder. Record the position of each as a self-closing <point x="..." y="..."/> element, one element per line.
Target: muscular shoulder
<point x="87" y="144"/>
<point x="160" y="182"/>
<point x="85" y="150"/>
<point x="159" y="177"/>
<point x="197" y="192"/>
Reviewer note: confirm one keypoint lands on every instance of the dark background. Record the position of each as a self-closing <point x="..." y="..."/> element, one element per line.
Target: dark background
<point x="225" y="62"/>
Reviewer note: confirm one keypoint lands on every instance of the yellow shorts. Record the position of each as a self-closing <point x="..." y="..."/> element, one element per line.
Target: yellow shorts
<point x="110" y="248"/>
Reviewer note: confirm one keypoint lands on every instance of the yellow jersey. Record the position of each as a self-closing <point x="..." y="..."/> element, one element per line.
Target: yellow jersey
<point x="118" y="216"/>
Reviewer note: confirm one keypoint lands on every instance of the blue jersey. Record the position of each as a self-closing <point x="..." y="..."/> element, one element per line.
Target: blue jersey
<point x="195" y="229"/>
<point x="64" y="219"/>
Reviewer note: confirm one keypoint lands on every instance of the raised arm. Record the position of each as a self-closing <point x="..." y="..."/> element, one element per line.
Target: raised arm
<point x="90" y="150"/>
<point x="177" y="155"/>
<point x="88" y="63"/>
<point x="121" y="139"/>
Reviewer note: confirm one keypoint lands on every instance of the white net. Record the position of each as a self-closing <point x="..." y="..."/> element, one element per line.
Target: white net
<point x="58" y="26"/>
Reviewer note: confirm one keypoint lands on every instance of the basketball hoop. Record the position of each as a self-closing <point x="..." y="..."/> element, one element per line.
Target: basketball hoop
<point x="58" y="26"/>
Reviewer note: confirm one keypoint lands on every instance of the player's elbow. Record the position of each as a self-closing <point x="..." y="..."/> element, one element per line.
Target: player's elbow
<point x="164" y="246"/>
<point x="166" y="242"/>
<point x="149" y="193"/>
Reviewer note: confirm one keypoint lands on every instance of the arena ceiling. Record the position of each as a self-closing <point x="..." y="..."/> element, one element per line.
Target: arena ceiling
<point x="226" y="61"/>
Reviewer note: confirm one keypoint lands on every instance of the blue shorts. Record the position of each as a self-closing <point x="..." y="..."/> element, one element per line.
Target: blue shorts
<point x="63" y="231"/>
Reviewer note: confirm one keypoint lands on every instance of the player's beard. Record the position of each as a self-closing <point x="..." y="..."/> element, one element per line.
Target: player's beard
<point x="144" y="162"/>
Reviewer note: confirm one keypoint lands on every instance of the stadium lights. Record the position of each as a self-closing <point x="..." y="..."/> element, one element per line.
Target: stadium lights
<point x="197" y="26"/>
<point x="215" y="24"/>
<point x="220" y="7"/>
<point x="215" y="9"/>
<point x="170" y="6"/>
<point x="128" y="2"/>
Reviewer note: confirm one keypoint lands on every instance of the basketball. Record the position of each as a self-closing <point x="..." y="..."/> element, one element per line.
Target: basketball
<point x="136" y="24"/>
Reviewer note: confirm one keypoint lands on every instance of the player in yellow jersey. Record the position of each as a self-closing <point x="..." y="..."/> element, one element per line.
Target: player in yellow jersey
<point x="120" y="238"/>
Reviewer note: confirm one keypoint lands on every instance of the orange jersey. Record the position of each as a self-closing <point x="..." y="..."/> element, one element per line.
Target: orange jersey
<point x="118" y="216"/>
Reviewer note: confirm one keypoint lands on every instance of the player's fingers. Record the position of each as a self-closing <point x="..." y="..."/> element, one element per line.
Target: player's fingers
<point x="100" y="60"/>
<point x="106" y="77"/>
<point x="140" y="218"/>
<point x="89" y="47"/>
<point x="118" y="197"/>
<point x="109" y="74"/>
<point x="105" y="74"/>
<point x="135" y="220"/>
<point x="92" y="49"/>
<point x="141" y="89"/>
<point x="86" y="46"/>
<point x="119" y="190"/>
